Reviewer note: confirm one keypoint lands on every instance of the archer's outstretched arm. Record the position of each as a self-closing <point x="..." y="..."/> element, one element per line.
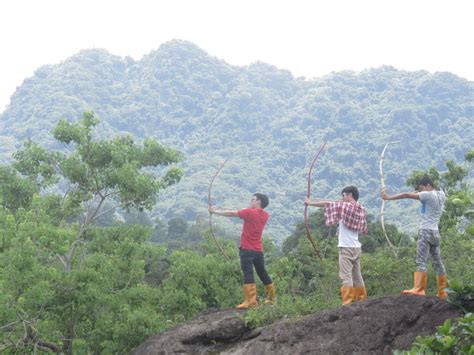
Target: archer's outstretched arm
<point x="400" y="196"/>
<point x="225" y="213"/>
<point x="320" y="203"/>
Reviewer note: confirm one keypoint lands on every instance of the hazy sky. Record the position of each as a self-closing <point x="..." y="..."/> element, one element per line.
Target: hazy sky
<point x="310" y="38"/>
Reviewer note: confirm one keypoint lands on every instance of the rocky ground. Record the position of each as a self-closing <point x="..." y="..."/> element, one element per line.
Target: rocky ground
<point x="375" y="326"/>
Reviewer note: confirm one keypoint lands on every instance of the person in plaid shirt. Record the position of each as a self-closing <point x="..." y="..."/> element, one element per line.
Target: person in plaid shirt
<point x="350" y="216"/>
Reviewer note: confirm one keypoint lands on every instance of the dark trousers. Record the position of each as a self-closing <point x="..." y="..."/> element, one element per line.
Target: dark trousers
<point x="249" y="259"/>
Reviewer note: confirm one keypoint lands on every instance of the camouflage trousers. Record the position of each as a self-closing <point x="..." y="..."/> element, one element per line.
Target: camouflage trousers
<point x="428" y="244"/>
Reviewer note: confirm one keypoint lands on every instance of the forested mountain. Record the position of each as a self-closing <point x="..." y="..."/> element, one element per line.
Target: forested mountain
<point x="266" y="121"/>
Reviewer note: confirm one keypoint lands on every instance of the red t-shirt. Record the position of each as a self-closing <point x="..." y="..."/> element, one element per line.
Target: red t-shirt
<point x="254" y="224"/>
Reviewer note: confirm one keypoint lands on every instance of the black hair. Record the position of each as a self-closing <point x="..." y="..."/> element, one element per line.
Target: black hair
<point x="262" y="198"/>
<point x="425" y="181"/>
<point x="352" y="190"/>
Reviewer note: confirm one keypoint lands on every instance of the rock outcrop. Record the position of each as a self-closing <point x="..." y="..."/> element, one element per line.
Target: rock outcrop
<point x="375" y="326"/>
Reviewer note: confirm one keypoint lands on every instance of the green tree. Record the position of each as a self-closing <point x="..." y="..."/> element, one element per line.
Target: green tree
<point x="67" y="282"/>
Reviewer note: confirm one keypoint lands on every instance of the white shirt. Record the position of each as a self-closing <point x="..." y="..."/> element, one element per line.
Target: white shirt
<point x="347" y="237"/>
<point x="432" y="203"/>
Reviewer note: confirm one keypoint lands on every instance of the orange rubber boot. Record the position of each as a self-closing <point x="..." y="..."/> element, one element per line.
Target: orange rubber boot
<point x="420" y="280"/>
<point x="250" y="294"/>
<point x="271" y="294"/>
<point x="360" y="294"/>
<point x="347" y="295"/>
<point x="442" y="282"/>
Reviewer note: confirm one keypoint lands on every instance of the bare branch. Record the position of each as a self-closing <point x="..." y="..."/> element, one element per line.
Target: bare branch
<point x="9" y="325"/>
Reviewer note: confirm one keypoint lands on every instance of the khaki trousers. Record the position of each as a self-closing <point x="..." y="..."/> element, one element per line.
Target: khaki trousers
<point x="349" y="267"/>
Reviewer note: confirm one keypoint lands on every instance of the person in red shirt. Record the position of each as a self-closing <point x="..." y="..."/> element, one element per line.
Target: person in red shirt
<point x="251" y="248"/>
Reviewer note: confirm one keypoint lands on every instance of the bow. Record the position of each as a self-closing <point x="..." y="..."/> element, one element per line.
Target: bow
<point x="308" y="194"/>
<point x="382" y="185"/>
<point x="210" y="214"/>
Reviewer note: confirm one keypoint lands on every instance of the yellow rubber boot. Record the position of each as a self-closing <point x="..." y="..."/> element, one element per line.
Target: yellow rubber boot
<point x="250" y="295"/>
<point x="271" y="294"/>
<point x="420" y="280"/>
<point x="360" y="294"/>
<point x="442" y="282"/>
<point x="347" y="295"/>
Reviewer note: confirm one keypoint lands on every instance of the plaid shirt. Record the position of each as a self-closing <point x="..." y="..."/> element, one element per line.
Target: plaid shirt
<point x="351" y="214"/>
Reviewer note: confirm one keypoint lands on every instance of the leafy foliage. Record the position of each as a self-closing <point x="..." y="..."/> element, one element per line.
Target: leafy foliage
<point x="453" y="337"/>
<point x="122" y="288"/>
<point x="67" y="283"/>
<point x="461" y="296"/>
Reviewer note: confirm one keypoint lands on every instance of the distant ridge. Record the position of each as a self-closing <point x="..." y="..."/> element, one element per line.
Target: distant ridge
<point x="267" y="121"/>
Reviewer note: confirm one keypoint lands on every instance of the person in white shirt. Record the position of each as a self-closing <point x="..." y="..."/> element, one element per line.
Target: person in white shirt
<point x="432" y="203"/>
<point x="350" y="216"/>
